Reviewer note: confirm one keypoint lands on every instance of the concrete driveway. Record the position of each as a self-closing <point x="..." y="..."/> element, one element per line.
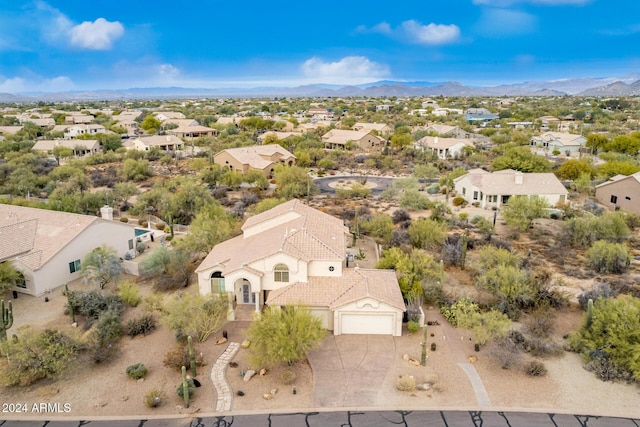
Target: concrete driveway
<point x="348" y="370"/>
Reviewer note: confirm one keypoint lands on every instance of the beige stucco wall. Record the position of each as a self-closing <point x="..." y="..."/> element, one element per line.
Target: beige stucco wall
<point x="325" y="315"/>
<point x="627" y="187"/>
<point x="55" y="273"/>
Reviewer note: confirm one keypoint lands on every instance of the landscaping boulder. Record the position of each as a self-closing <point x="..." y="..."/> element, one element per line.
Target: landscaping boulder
<point x="249" y="374"/>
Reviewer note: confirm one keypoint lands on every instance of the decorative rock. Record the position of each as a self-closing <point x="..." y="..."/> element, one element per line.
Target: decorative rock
<point x="263" y="372"/>
<point x="245" y="344"/>
<point x="124" y="398"/>
<point x="473" y="359"/>
<point x="249" y="374"/>
<point x="267" y="396"/>
<point x="414" y="362"/>
<point x="405" y="357"/>
<point x="74" y="324"/>
<point x="425" y="386"/>
<point x="140" y="380"/>
<point x="274" y="391"/>
<point x="221" y="341"/>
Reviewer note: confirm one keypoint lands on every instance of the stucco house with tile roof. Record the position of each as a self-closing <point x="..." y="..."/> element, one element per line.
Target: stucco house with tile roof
<point x="163" y="142"/>
<point x="564" y="142"/>
<point x="444" y="148"/>
<point x="47" y="247"/>
<point x="493" y="189"/>
<point x="257" y="157"/>
<point x="294" y="254"/>
<point x="80" y="147"/>
<point x="363" y="139"/>
<point x="620" y="192"/>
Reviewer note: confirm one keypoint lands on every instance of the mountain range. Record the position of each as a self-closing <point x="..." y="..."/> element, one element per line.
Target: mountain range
<point x="628" y="85"/>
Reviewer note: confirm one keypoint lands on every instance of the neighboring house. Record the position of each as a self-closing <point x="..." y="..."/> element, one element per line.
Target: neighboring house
<point x="79" y="119"/>
<point x="520" y="125"/>
<point x="73" y="131"/>
<point x="226" y="121"/>
<point x="280" y="135"/>
<point x="131" y="126"/>
<point x="548" y="122"/>
<point x="43" y="123"/>
<point x="10" y="130"/>
<point x="47" y="246"/>
<point x="80" y="147"/>
<point x="621" y="192"/>
<point x="338" y="138"/>
<point x="565" y="143"/>
<point x="384" y="107"/>
<point x="294" y="254"/>
<point x="495" y="189"/>
<point x="167" y="115"/>
<point x="320" y="113"/>
<point x="258" y="157"/>
<point x="479" y="115"/>
<point x="191" y="132"/>
<point x="127" y="115"/>
<point x="163" y="142"/>
<point x="312" y="126"/>
<point x="449" y="131"/>
<point x="180" y="122"/>
<point x="381" y="128"/>
<point x="444" y="148"/>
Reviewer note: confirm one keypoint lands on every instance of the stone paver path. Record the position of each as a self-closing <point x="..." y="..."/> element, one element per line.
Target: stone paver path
<point x="219" y="377"/>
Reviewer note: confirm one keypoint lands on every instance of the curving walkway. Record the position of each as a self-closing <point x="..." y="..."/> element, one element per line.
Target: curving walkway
<point x="219" y="378"/>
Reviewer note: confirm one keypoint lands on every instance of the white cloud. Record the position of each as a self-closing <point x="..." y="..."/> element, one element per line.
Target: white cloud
<point x="414" y="32"/>
<point x="503" y="3"/>
<point x="36" y="84"/>
<point x="97" y="35"/>
<point x="348" y="70"/>
<point x="504" y="22"/>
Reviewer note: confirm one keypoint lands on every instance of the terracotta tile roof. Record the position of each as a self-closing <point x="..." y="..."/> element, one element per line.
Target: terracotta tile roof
<point x="308" y="234"/>
<point x="17" y="239"/>
<point x="342" y="136"/>
<point x="439" y="142"/>
<point x="334" y="292"/>
<point x="635" y="176"/>
<point x="49" y="144"/>
<point x="258" y="156"/>
<point x="54" y="230"/>
<point x="504" y="182"/>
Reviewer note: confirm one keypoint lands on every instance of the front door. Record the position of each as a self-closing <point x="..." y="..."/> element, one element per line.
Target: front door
<point x="247" y="296"/>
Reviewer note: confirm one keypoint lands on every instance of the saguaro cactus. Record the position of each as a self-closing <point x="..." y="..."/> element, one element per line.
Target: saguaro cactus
<point x="185" y="387"/>
<point x="6" y="320"/>
<point x="71" y="312"/>
<point x="192" y="357"/>
<point x="463" y="254"/>
<point x="423" y="359"/>
<point x="589" y="313"/>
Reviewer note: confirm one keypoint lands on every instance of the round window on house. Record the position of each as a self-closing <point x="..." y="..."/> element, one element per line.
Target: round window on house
<point x="331" y="268"/>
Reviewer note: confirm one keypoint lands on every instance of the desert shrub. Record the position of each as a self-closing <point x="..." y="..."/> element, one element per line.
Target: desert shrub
<point x="36" y="356"/>
<point x="606" y="369"/>
<point x="535" y="369"/>
<point x="141" y="247"/>
<point x="506" y="352"/>
<point x="459" y="313"/>
<point x="104" y="338"/>
<point x="605" y="257"/>
<point x="542" y="347"/>
<point x="599" y="290"/>
<point x="288" y="377"/>
<point x="583" y="232"/>
<point x="459" y="201"/>
<point x="406" y="383"/>
<point x="539" y="323"/>
<point x="154" y="302"/>
<point x="129" y="292"/>
<point x="178" y="357"/>
<point x="92" y="304"/>
<point x="413" y="326"/>
<point x="400" y="215"/>
<point x="142" y="325"/>
<point x="433" y="346"/>
<point x="433" y="293"/>
<point x="137" y="371"/>
<point x="154" y="398"/>
<point x="195" y="315"/>
<point x="124" y="219"/>
<point x="191" y="388"/>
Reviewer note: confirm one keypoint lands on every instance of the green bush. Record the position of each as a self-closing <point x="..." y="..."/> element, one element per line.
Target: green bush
<point x="92" y="304"/>
<point x="129" y="292"/>
<point x="413" y="326"/>
<point x="605" y="257"/>
<point x="406" y="383"/>
<point x="583" y="232"/>
<point x="141" y="326"/>
<point x="137" y="371"/>
<point x="124" y="219"/>
<point x="459" y="201"/>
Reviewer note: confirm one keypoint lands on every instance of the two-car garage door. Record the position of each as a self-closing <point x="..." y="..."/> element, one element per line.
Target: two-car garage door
<point x="361" y="323"/>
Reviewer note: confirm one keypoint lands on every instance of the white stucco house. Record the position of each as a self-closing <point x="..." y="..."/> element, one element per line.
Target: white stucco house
<point x="294" y="254"/>
<point x="565" y="143"/>
<point x="493" y="189"/>
<point x="444" y="148"/>
<point x="48" y="246"/>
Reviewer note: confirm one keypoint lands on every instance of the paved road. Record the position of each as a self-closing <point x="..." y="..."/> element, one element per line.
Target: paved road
<point x="381" y="183"/>
<point x="359" y="419"/>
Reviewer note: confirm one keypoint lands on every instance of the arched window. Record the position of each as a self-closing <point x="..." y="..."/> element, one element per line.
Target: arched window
<point x="280" y="273"/>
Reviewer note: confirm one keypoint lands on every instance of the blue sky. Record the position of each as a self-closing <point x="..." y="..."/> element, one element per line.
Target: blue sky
<point x="59" y="45"/>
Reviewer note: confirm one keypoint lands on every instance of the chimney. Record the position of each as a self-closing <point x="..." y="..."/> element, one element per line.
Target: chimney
<point x="435" y="140"/>
<point x="106" y="212"/>
<point x="519" y="177"/>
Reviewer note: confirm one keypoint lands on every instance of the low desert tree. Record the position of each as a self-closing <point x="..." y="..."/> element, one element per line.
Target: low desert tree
<point x="611" y="334"/>
<point x="490" y="257"/>
<point x="293" y="181"/>
<point x="151" y="124"/>
<point x="136" y="170"/>
<point x="101" y="266"/>
<point x="38" y="355"/>
<point x="521" y="159"/>
<point x="511" y="286"/>
<point x="414" y="201"/>
<point x="379" y="226"/>
<point x="171" y="268"/>
<point x="573" y="168"/>
<point x="211" y="225"/>
<point x="102" y="344"/>
<point x="9" y="276"/>
<point x="465" y="313"/>
<point x="268" y="203"/>
<point x="195" y="315"/>
<point x="605" y="257"/>
<point x="583" y="232"/>
<point x="427" y="233"/>
<point x="284" y="335"/>
<point x="520" y="212"/>
<point x="417" y="271"/>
